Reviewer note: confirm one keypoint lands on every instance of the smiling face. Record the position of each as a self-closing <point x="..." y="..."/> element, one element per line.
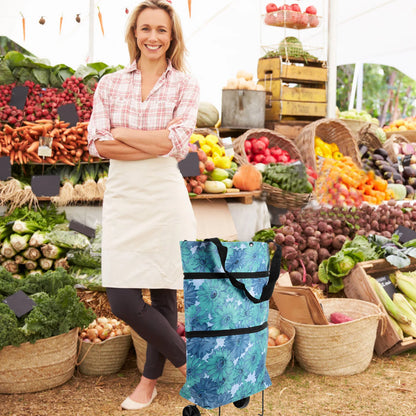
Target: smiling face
<point x="153" y="33"/>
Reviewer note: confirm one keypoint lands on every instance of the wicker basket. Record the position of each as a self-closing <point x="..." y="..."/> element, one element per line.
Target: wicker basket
<point x="367" y="136"/>
<point x="388" y="145"/>
<point x="284" y="199"/>
<point x="275" y="139"/>
<point x="170" y="373"/>
<point x="107" y="357"/>
<point x="279" y="357"/>
<point x="340" y="349"/>
<point x="46" y="364"/>
<point x="330" y="131"/>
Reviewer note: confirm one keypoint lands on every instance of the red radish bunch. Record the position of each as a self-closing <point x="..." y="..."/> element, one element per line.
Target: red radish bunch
<point x="258" y="151"/>
<point x="43" y="103"/>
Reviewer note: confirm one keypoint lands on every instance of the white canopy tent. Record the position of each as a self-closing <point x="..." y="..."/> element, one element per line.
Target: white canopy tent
<point x="222" y="36"/>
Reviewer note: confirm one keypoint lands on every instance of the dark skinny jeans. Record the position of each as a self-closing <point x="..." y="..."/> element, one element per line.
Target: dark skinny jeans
<point x="156" y="324"/>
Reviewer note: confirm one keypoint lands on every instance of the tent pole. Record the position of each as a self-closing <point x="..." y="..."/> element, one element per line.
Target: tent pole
<point x="90" y="57"/>
<point x="353" y="92"/>
<point x="360" y="86"/>
<point x="332" y="61"/>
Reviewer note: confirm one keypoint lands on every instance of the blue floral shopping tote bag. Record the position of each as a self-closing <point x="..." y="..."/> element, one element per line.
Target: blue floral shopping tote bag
<point x="227" y="286"/>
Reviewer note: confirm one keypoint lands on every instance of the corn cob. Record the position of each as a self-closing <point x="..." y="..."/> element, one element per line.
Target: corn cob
<point x="391" y="308"/>
<point x="409" y="329"/>
<point x="407" y="285"/>
<point x="396" y="327"/>
<point x="411" y="302"/>
<point x="404" y="306"/>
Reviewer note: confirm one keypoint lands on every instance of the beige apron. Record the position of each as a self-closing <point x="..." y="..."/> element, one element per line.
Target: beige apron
<point x="146" y="212"/>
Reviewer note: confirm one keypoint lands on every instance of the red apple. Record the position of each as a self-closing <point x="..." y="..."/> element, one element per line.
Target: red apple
<point x="310" y="10"/>
<point x="313" y="20"/>
<point x="303" y="20"/>
<point x="271" y="7"/>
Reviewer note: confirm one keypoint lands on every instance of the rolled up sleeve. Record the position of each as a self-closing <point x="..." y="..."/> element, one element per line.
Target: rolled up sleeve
<point x="99" y="124"/>
<point x="187" y="111"/>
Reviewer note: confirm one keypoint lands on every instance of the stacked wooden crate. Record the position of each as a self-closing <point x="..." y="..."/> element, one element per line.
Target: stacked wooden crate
<point x="296" y="90"/>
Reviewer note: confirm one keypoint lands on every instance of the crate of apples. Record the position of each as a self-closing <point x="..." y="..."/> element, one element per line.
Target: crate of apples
<point x="102" y="329"/>
<point x="276" y="337"/>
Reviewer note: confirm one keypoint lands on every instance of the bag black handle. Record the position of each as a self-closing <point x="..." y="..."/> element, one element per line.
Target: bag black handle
<point x="273" y="274"/>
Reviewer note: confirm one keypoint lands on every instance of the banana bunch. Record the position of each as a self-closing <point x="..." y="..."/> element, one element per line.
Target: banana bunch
<point x="402" y="307"/>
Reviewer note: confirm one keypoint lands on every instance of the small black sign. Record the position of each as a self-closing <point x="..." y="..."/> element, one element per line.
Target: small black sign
<point x="405" y="234"/>
<point x="46" y="185"/>
<point x="190" y="165"/>
<point x="81" y="228"/>
<point x="20" y="303"/>
<point x="5" y="168"/>
<point x="19" y="95"/>
<point x="68" y="113"/>
<point x="387" y="285"/>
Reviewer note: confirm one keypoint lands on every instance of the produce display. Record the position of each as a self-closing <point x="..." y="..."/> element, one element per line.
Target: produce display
<point x="57" y="308"/>
<point x="291" y="16"/>
<point x="309" y="236"/>
<point x="360" y="115"/>
<point x="243" y="81"/>
<point x="291" y="47"/>
<point x="401" y="308"/>
<point x="400" y="175"/>
<point x="276" y="337"/>
<point x="103" y="328"/>
<point x="401" y="124"/>
<point x="341" y="182"/>
<point x="42" y="103"/>
<point x="69" y="144"/>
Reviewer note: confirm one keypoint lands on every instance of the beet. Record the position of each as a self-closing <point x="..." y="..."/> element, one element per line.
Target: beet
<point x="289" y="252"/>
<point x="296" y="278"/>
<point x="279" y="238"/>
<point x="338" y="241"/>
<point x="326" y="240"/>
<point x="311" y="254"/>
<point x="290" y="240"/>
<point x="323" y="254"/>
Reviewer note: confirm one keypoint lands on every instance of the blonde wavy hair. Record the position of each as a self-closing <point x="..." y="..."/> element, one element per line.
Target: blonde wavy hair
<point x="177" y="50"/>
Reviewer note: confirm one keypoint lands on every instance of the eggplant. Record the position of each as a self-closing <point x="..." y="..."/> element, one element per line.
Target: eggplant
<point x="410" y="192"/>
<point x="385" y="167"/>
<point x="397" y="178"/>
<point x="387" y="175"/>
<point x="382" y="152"/>
<point x="376" y="157"/>
<point x="409" y="172"/>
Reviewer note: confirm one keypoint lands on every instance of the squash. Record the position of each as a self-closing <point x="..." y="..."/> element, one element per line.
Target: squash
<point x="208" y="115"/>
<point x="247" y="178"/>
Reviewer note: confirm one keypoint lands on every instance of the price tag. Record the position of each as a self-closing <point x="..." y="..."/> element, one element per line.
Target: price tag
<point x="190" y="165"/>
<point x="45" y="146"/>
<point x="387" y="285"/>
<point x="20" y="303"/>
<point x="81" y="228"/>
<point x="46" y="185"/>
<point x="19" y="96"/>
<point x="228" y="146"/>
<point x="5" y="168"/>
<point x="68" y="113"/>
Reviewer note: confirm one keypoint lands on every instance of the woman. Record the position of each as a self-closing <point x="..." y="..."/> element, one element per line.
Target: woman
<point x="142" y="119"/>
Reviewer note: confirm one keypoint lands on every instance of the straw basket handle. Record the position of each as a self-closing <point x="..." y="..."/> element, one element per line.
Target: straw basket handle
<point x="78" y="363"/>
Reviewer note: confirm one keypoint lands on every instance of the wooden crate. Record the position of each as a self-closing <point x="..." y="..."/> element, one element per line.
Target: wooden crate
<point x="289" y="128"/>
<point x="357" y="286"/>
<point x="279" y="110"/>
<point x="279" y="90"/>
<point x="276" y="68"/>
<point x="294" y="90"/>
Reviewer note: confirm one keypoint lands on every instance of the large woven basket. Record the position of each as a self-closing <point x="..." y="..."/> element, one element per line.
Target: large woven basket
<point x="330" y="131"/>
<point x="46" y="364"/>
<point x="338" y="349"/>
<point x="275" y="139"/>
<point x="170" y="373"/>
<point x="368" y="137"/>
<point x="107" y="357"/>
<point x="279" y="357"/>
<point x="388" y="145"/>
<point x="284" y="199"/>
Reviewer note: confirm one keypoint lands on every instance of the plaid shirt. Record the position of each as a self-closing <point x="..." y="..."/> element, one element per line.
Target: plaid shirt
<point x="118" y="103"/>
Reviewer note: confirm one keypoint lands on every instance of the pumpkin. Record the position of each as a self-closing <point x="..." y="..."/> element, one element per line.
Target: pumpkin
<point x="208" y="115"/>
<point x="247" y="178"/>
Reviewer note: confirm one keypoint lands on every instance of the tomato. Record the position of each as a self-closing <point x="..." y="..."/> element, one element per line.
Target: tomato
<point x="265" y="140"/>
<point x="271" y="7"/>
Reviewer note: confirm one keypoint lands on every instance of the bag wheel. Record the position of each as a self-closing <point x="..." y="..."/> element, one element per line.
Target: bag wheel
<point x="241" y="404"/>
<point x="191" y="410"/>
